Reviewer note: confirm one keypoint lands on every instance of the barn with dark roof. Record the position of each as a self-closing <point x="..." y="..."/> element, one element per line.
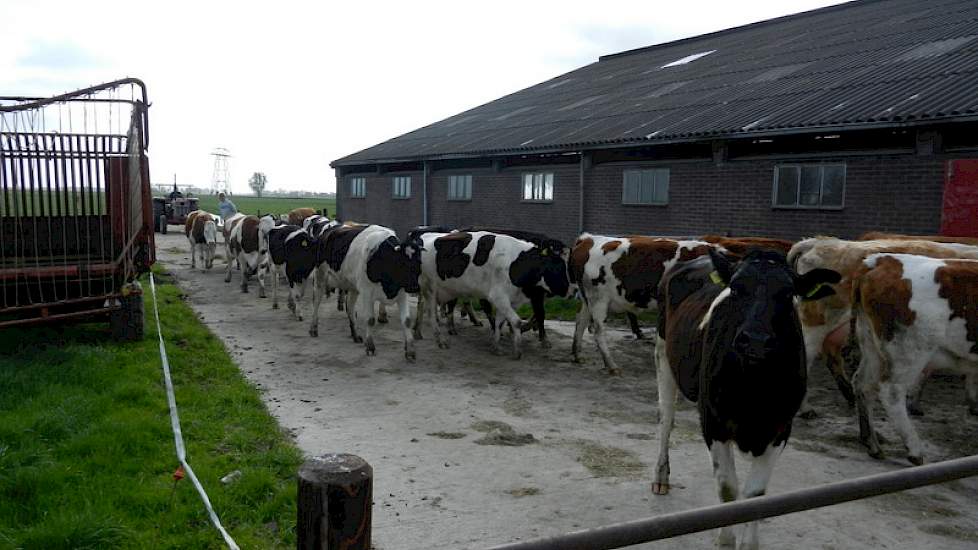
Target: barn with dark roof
<point x="857" y="117"/>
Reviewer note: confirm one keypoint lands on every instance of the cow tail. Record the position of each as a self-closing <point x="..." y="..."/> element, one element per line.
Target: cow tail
<point x="851" y="352"/>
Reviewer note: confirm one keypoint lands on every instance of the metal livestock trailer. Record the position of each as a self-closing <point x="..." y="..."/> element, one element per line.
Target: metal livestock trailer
<point x="75" y="207"/>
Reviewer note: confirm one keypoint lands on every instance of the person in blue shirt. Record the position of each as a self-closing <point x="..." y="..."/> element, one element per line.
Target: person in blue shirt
<point x="226" y="208"/>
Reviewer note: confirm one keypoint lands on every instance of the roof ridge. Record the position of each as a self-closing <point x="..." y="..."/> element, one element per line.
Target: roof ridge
<point x="731" y="30"/>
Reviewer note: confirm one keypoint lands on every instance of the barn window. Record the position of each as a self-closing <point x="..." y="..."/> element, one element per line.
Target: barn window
<point x="402" y="187"/>
<point x="538" y="186"/>
<point x="646" y="186"/>
<point x="809" y="186"/>
<point x="358" y="188"/>
<point x="460" y="188"/>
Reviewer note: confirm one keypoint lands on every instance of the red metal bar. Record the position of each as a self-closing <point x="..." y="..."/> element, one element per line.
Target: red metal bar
<point x="57" y="317"/>
<point x="58" y="271"/>
<point x="114" y="295"/>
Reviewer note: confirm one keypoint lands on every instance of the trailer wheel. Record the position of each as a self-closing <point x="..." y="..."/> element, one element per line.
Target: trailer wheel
<point x="127" y="321"/>
<point x="162" y="224"/>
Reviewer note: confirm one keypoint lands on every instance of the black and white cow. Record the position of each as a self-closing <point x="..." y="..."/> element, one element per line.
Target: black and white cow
<point x="730" y="339"/>
<point x="448" y="309"/>
<point x="371" y="265"/>
<point x="537" y="297"/>
<point x="292" y="252"/>
<point x="501" y="270"/>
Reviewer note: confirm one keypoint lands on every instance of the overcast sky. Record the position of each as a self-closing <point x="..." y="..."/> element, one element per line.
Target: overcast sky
<point x="289" y="86"/>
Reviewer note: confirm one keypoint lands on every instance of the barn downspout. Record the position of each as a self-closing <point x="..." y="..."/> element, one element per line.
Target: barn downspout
<point x="580" y="197"/>
<point x="424" y="192"/>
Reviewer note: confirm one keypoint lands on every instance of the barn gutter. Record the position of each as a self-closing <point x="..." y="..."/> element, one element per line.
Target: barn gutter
<point x="753" y="509"/>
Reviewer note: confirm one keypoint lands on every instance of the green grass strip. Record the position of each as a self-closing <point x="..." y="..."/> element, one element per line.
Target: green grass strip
<point x="86" y="451"/>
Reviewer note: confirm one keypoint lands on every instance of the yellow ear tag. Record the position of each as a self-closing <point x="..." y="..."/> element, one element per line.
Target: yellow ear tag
<point x="715" y="277"/>
<point x="305" y="244"/>
<point x="815" y="289"/>
<point x="544" y="252"/>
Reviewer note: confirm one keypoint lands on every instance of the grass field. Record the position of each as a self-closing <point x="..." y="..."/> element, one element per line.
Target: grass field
<point x="265" y="205"/>
<point x="86" y="451"/>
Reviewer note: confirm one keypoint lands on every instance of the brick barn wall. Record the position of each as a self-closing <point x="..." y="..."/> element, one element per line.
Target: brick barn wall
<point x="898" y="193"/>
<point x="497" y="201"/>
<point x="379" y="206"/>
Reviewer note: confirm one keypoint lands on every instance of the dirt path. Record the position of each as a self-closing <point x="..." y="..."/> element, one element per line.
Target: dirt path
<point x="470" y="449"/>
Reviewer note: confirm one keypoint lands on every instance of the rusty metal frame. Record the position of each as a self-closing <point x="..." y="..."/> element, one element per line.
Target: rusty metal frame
<point x="89" y="188"/>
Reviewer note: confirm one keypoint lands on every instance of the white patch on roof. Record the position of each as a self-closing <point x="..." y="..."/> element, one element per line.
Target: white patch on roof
<point x="890" y="109"/>
<point x="935" y="48"/>
<point x="661" y="91"/>
<point x="755" y="123"/>
<point x="460" y="120"/>
<point x="580" y="103"/>
<point x="837" y="107"/>
<point x="561" y="83"/>
<point x="652" y="135"/>
<point x="687" y="59"/>
<point x="515" y="112"/>
<point x="778" y="72"/>
<point x="527" y="142"/>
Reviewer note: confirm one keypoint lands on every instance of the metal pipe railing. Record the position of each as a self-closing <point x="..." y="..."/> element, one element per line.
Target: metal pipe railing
<point x="711" y="517"/>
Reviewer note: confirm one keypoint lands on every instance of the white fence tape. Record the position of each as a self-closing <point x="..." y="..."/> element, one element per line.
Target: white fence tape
<point x="177" y="433"/>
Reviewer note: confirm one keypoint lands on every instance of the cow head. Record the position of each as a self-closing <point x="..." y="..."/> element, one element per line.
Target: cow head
<point x="396" y="266"/>
<point x="554" y="274"/>
<point x="757" y="306"/>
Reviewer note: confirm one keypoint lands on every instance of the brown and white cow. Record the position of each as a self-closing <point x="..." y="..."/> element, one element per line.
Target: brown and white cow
<point x="620" y="275"/>
<point x="298" y="215"/>
<point x="247" y="245"/>
<point x="912" y="313"/>
<point x="881" y="236"/>
<point x="730" y="340"/>
<point x="826" y="322"/>
<point x="201" y="230"/>
<point x="226" y="233"/>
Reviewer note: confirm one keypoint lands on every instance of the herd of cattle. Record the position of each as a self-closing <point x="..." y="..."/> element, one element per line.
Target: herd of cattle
<point x="740" y="320"/>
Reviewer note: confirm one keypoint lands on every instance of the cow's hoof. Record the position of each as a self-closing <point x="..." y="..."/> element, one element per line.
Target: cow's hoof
<point x="314" y="332"/>
<point x="382" y="319"/>
<point x="227" y="279"/>
<point x="640" y="335"/>
<point x="275" y="305"/>
<point x="973" y="410"/>
<point x="357" y="340"/>
<point x="876" y="453"/>
<point x="371" y="348"/>
<point x="244" y="290"/>
<point x="443" y="345"/>
<point x="613" y="371"/>
<point x="915" y="460"/>
<point x="453" y="332"/>
<point x="261" y="294"/>
<point x="517" y="355"/>
<point x="809" y="414"/>
<point x="660" y="488"/>
<point x="411" y="356"/>
<point x="914" y="410"/>
<point x="726" y="539"/>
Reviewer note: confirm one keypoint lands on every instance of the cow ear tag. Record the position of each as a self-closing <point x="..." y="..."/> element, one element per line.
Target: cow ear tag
<point x="304" y="244"/>
<point x="715" y="277"/>
<point x="544" y="252"/>
<point x="814" y="290"/>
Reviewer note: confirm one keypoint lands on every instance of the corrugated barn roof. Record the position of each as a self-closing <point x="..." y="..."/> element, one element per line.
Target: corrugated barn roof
<point x="865" y="63"/>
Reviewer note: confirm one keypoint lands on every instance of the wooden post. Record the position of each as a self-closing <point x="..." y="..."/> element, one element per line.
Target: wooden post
<point x="334" y="503"/>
